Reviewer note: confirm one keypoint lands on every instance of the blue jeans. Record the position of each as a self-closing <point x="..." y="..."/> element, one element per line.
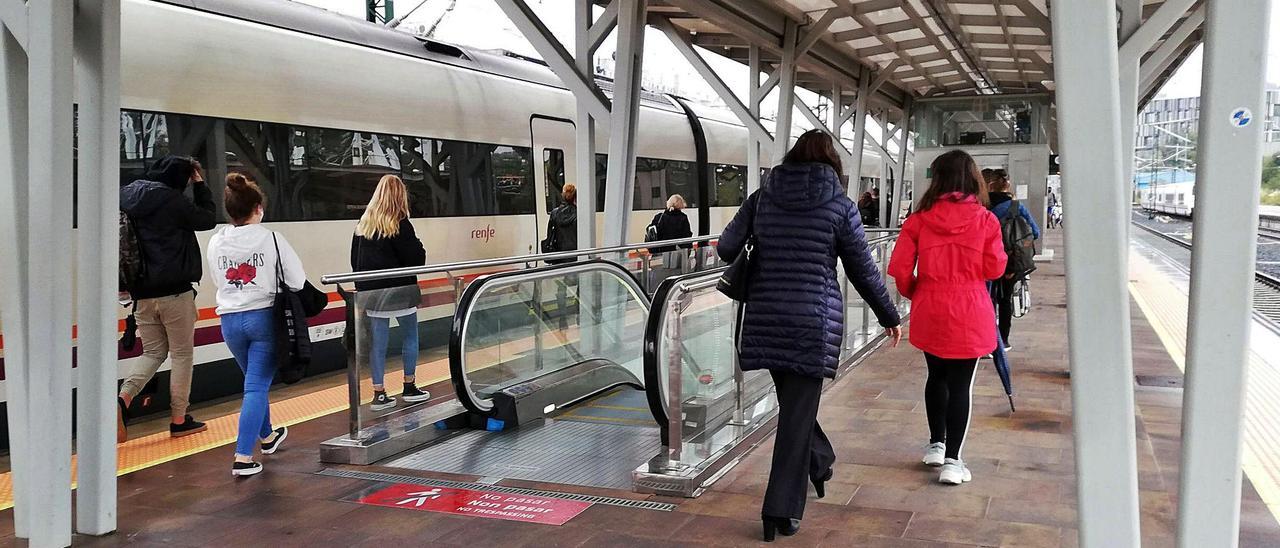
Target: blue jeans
<point x="251" y="337"/>
<point x="381" y="333"/>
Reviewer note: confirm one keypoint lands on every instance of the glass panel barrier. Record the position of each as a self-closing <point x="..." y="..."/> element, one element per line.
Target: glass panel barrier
<point x="518" y="326"/>
<point x="706" y="405"/>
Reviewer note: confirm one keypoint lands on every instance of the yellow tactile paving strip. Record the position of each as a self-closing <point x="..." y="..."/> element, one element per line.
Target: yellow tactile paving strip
<point x="1165" y="306"/>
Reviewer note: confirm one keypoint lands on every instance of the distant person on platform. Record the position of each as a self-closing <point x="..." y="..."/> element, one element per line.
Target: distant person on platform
<point x="165" y="223"/>
<point x="562" y="225"/>
<point x="385" y="239"/>
<point x="671" y="224"/>
<point x="1001" y="198"/>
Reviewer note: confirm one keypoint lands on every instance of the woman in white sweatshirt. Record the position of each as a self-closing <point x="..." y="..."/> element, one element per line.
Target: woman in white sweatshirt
<point x="243" y="258"/>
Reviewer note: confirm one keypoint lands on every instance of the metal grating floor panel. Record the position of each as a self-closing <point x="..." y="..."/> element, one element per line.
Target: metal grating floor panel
<point x="567" y="452"/>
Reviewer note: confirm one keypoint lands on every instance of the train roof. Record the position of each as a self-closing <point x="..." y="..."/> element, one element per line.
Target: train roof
<point x="311" y="20"/>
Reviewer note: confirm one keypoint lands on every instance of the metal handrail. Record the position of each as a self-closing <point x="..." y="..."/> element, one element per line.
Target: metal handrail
<point x="372" y="275"/>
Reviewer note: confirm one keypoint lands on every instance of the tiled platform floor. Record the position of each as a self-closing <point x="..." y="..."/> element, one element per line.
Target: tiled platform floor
<point x="1023" y="493"/>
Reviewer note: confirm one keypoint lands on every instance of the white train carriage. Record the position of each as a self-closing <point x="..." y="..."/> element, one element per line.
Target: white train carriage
<point x="317" y="107"/>
<point x="1170" y="198"/>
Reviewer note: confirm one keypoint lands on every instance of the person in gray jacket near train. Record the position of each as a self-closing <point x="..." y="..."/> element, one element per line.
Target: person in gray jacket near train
<point x="165" y="222"/>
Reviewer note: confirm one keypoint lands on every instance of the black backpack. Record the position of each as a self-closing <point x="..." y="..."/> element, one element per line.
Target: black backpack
<point x="133" y="262"/>
<point x="1019" y="243"/>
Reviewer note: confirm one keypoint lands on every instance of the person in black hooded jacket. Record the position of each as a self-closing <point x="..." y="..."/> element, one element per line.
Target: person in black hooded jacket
<point x="166" y="222"/>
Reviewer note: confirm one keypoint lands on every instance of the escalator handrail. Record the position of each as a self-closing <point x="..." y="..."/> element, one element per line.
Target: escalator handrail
<point x="372" y="275"/>
<point x="655" y="391"/>
<point x="462" y="315"/>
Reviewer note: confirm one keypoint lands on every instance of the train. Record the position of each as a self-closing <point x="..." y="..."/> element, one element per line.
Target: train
<point x="316" y="107"/>
<point x="1170" y="198"/>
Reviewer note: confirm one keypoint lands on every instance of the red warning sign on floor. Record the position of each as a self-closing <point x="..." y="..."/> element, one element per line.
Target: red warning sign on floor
<point x="484" y="504"/>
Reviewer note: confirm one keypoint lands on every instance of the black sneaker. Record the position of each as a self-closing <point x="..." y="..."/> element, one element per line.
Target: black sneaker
<point x="411" y="393"/>
<point x="122" y="433"/>
<point x="382" y="401"/>
<point x="269" y="447"/>
<point x="188" y="427"/>
<point x="245" y="468"/>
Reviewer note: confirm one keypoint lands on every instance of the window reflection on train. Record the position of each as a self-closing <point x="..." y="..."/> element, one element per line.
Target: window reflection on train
<point x="316" y="174"/>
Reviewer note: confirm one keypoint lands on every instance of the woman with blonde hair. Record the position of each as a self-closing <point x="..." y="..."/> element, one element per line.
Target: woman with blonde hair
<point x="385" y="239"/>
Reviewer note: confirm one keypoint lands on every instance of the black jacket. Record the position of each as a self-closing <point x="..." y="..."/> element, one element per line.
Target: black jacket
<point x="672" y="224"/>
<point x="401" y="250"/>
<point x="562" y="226"/>
<point x="166" y="223"/>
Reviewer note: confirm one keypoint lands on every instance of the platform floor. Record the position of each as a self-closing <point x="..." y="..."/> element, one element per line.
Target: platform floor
<point x="1023" y="493"/>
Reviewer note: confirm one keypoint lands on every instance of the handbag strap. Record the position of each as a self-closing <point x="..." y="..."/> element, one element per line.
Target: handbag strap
<point x="279" y="265"/>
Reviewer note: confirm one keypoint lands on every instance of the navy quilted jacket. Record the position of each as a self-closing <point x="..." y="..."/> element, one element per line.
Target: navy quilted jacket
<point x="794" y="316"/>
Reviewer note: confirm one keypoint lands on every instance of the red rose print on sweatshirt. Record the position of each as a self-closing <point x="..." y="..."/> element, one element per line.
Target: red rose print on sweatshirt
<point x="242" y="275"/>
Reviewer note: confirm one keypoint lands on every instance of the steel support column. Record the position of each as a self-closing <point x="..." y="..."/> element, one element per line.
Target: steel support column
<point x="859" y="131"/>
<point x="754" y="96"/>
<point x="13" y="244"/>
<point x="1164" y="55"/>
<point x="1085" y="55"/>
<point x="786" y="93"/>
<point x="97" y="29"/>
<point x="1222" y="264"/>
<point x="46" y="225"/>
<point x="886" y="163"/>
<point x="585" y="123"/>
<point x="900" y="191"/>
<point x="620" y="178"/>
<point x="1130" y="21"/>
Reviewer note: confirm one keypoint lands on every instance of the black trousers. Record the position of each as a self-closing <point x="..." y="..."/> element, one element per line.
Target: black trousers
<point x="948" y="397"/>
<point x="801" y="450"/>
<point x="1004" y="306"/>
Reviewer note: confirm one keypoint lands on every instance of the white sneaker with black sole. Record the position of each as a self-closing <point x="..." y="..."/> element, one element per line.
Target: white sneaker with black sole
<point x="935" y="454"/>
<point x="954" y="472"/>
<point x="240" y="469"/>
<point x="272" y="444"/>
<point x="412" y="394"/>
<point x="382" y="401"/>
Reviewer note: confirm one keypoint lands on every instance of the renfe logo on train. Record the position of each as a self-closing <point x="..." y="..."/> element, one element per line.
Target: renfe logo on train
<point x="483" y="233"/>
<point x="483" y="504"/>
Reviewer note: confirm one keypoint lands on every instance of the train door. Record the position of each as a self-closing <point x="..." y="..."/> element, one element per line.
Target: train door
<point x="554" y="160"/>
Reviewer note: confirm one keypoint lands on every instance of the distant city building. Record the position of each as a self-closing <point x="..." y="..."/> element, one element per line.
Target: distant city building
<point x="1181" y="115"/>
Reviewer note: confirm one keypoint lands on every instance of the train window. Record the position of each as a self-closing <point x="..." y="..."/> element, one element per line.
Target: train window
<point x="513" y="180"/>
<point x="553" y="166"/>
<point x="602" y="172"/>
<point x="146" y="137"/>
<point x="656" y="180"/>
<point x="333" y="173"/>
<point x="730" y="185"/>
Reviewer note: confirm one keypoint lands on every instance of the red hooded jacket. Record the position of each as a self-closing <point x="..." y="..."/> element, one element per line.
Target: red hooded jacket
<point x="942" y="261"/>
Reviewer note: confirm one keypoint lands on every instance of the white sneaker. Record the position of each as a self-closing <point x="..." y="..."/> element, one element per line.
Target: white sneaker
<point x="935" y="454"/>
<point x="1008" y="347"/>
<point x="954" y="472"/>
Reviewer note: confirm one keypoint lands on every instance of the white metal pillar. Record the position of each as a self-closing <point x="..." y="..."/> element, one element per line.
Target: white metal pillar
<point x="1222" y="264"/>
<point x="886" y="163"/>
<point x="1130" y="21"/>
<point x="47" y="278"/>
<point x="585" y="125"/>
<point x="13" y="244"/>
<point x="97" y="27"/>
<point x="620" y="178"/>
<point x="786" y="93"/>
<point x="753" y="107"/>
<point x="859" y="131"/>
<point x="1085" y="60"/>
<point x="900" y="190"/>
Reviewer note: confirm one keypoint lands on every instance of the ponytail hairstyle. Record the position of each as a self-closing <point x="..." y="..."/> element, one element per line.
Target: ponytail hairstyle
<point x="954" y="172"/>
<point x="242" y="197"/>
<point x="389" y="206"/>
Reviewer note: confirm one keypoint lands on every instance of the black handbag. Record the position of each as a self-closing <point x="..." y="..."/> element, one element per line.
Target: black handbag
<point x="736" y="278"/>
<point x="293" y="337"/>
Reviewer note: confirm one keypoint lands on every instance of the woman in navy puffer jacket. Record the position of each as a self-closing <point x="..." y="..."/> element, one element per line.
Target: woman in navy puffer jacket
<point x="794" y="320"/>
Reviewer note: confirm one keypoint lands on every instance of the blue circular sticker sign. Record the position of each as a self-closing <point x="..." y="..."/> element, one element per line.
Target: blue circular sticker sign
<point x="1241" y="117"/>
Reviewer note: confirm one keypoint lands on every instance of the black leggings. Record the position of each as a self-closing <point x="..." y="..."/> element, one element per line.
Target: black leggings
<point x="1004" y="306"/>
<point x="947" y="395"/>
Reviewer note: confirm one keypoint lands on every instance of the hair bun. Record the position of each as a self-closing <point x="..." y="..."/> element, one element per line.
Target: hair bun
<point x="237" y="181"/>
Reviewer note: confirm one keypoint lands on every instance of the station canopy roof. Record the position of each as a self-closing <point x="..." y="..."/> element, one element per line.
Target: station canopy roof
<point x="929" y="48"/>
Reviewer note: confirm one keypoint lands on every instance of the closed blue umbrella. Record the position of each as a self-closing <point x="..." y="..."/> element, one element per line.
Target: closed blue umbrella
<point x="999" y="357"/>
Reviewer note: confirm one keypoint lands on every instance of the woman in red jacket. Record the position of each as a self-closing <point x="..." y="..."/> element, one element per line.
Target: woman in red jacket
<point x="946" y="252"/>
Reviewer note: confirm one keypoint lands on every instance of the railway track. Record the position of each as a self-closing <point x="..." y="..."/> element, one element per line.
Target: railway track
<point x="1266" y="288"/>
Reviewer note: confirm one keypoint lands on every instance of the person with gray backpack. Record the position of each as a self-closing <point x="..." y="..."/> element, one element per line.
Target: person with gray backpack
<point x="1020" y="233"/>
